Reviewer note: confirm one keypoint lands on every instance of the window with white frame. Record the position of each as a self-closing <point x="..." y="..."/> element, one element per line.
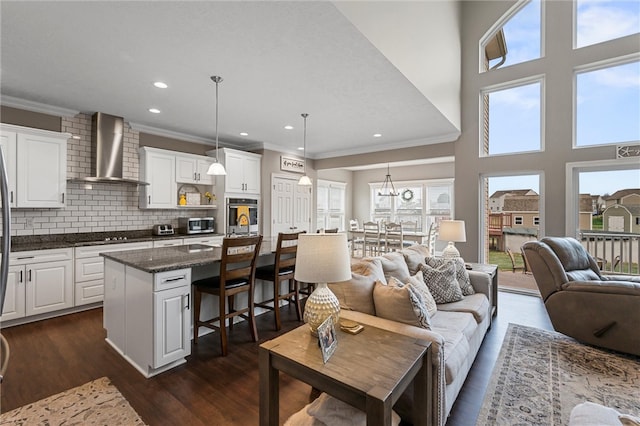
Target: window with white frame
<point x="604" y="20"/>
<point x="331" y="204"/>
<point x="518" y="220"/>
<point x="424" y="202"/>
<point x="512" y="116"/>
<point x="536" y="220"/>
<point x="607" y="103"/>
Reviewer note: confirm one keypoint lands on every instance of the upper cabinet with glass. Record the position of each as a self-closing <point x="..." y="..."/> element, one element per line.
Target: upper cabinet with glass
<point x="597" y="21"/>
<point x="514" y="39"/>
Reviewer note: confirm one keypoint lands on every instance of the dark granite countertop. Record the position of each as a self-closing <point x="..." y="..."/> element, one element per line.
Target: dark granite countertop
<point x="43" y="242"/>
<point x="178" y="257"/>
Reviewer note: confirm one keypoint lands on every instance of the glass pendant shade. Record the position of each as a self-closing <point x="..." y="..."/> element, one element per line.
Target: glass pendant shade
<point x="216" y="169"/>
<point x="305" y="181"/>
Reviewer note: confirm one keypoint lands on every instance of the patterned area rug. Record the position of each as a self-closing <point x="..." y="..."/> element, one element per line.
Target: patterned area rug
<point x="541" y="375"/>
<point x="94" y="403"/>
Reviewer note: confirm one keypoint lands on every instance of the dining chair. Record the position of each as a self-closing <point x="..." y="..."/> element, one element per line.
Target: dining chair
<point x="432" y="236"/>
<point x="409" y="226"/>
<point x="237" y="275"/>
<point x="281" y="270"/>
<point x="371" y="244"/>
<point x="393" y="237"/>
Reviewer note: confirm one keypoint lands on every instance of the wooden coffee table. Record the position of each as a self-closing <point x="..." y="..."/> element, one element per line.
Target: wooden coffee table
<point x="369" y="371"/>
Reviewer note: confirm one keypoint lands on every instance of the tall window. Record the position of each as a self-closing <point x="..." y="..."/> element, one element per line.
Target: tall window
<point x="424" y="202"/>
<point x="604" y="20"/>
<point x="608" y="104"/>
<point x="331" y="209"/>
<point x="516" y="38"/>
<point x="512" y="118"/>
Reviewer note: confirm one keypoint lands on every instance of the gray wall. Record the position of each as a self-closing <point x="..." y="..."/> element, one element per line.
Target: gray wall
<point x="557" y="66"/>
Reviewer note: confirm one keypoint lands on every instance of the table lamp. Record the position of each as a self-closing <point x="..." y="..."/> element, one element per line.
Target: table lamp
<point x="454" y="232"/>
<point x="322" y="259"/>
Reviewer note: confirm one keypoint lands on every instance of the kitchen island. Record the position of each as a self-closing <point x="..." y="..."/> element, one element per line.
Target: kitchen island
<point x="147" y="301"/>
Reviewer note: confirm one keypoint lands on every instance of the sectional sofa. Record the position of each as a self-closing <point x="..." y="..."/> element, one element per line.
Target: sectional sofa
<point x="455" y="330"/>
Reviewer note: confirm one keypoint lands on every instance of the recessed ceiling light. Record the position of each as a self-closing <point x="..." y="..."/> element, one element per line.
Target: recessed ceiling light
<point x="288" y="127"/>
<point x="154" y="110"/>
<point x="377" y="135"/>
<point x="160" y="85"/>
<point x="244" y="134"/>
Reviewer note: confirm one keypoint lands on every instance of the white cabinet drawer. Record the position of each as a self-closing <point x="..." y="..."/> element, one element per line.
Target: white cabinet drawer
<point x="37" y="256"/>
<point x="167" y="243"/>
<point x="89" y="292"/>
<point x="171" y="279"/>
<point x="209" y="241"/>
<point x="93" y="251"/>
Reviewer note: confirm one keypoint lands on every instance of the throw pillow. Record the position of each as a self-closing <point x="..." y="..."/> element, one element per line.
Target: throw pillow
<point x="394" y="265"/>
<point x="418" y="283"/>
<point x="400" y="302"/>
<point x="442" y="283"/>
<point x="462" y="275"/>
<point x="414" y="256"/>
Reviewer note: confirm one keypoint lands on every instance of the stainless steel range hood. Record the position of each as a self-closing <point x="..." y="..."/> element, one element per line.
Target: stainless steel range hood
<point x="107" y="147"/>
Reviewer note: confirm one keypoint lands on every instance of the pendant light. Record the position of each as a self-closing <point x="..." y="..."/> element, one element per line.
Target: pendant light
<point x="388" y="190"/>
<point x="304" y="180"/>
<point x="216" y="168"/>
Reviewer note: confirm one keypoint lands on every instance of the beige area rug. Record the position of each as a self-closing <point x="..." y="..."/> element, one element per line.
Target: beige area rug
<point x="94" y="403"/>
<point x="541" y="375"/>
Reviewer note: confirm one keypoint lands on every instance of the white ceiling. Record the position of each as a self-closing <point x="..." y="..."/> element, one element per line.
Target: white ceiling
<point x="278" y="60"/>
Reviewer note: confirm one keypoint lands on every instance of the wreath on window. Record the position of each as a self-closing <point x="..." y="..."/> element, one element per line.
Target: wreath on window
<point x="407" y="195"/>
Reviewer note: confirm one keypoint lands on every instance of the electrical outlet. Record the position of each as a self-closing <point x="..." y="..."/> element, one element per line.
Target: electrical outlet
<point x="29" y="223"/>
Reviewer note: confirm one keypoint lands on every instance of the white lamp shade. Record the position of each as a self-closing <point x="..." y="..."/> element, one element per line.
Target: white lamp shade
<point x="452" y="230"/>
<point x="216" y="169"/>
<point x="304" y="181"/>
<point x="323" y="258"/>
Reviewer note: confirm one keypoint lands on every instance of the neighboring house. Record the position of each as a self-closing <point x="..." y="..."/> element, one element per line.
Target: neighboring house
<point x="588" y="208"/>
<point x="597" y="204"/>
<point x="622" y="218"/>
<point x="496" y="201"/>
<point x="523" y="209"/>
<point x="624" y="196"/>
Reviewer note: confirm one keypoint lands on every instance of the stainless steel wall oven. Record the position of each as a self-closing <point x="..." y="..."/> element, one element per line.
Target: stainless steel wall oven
<point x="242" y="216"/>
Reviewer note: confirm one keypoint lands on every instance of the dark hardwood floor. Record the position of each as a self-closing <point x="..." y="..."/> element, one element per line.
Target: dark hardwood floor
<point x="51" y="356"/>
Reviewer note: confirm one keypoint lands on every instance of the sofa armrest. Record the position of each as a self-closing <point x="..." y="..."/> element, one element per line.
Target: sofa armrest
<point x="614" y="277"/>
<point x="610" y="287"/>
<point x="481" y="283"/>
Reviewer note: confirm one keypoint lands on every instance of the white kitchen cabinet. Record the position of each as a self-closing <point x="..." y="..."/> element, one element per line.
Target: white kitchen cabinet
<point x="167" y="243"/>
<point x="36" y="165"/>
<point x="89" y="269"/>
<point x="243" y="171"/>
<point x="193" y="169"/>
<point x="148" y="316"/>
<point x="158" y="168"/>
<point x="214" y="240"/>
<point x="41" y="281"/>
<point x="8" y="146"/>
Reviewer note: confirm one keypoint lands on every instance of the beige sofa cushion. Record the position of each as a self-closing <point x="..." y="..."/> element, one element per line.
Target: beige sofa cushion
<point x="456" y="351"/>
<point x="400" y="302"/>
<point x="476" y="304"/>
<point x="394" y="265"/>
<point x="462" y="322"/>
<point x="414" y="257"/>
<point x="356" y="294"/>
<point x="418" y="283"/>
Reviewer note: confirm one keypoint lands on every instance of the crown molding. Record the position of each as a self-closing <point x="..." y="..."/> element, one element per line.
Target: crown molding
<point x="19" y="103"/>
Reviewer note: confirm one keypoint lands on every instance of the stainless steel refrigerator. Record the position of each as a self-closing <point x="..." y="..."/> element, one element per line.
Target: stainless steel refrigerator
<point x="6" y="248"/>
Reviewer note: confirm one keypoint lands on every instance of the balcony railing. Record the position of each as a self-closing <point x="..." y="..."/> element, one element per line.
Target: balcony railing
<point x="615" y="252"/>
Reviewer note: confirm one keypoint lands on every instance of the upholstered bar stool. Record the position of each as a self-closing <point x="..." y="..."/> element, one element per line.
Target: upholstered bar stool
<point x="237" y="275"/>
<point x="282" y="270"/>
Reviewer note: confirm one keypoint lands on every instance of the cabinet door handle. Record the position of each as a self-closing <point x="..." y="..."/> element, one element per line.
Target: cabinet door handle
<point x="169" y="280"/>
<point x="149" y="199"/>
<point x="195" y="176"/>
<point x="188" y="301"/>
<point x="63" y="198"/>
<point x="24" y="257"/>
<point x="29" y="275"/>
<point x="12" y="196"/>
<point x="20" y="279"/>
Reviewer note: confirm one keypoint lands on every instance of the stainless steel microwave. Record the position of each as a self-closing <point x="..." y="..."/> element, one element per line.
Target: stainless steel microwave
<point x="197" y="225"/>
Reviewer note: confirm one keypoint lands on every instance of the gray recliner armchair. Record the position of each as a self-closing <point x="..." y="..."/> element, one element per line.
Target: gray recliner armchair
<point x="581" y="302"/>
